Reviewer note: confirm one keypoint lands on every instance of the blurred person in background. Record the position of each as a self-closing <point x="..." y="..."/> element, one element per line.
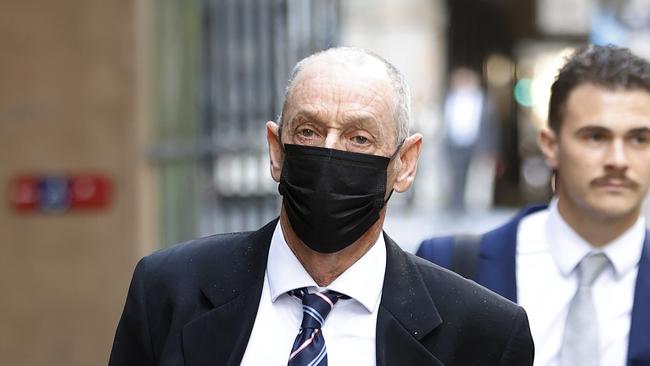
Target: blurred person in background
<point x="471" y="133"/>
<point x="324" y="273"/>
<point x="581" y="265"/>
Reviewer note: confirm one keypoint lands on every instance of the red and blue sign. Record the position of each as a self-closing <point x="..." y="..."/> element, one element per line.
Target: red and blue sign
<point x="59" y="193"/>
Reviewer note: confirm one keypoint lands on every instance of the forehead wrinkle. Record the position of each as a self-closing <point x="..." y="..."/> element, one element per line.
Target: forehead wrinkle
<point x="298" y="91"/>
<point x="373" y="105"/>
<point x="324" y="83"/>
<point x="312" y="114"/>
<point x="303" y="97"/>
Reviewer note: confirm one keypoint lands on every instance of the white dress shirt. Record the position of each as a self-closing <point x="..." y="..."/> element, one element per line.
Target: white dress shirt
<point x="548" y="252"/>
<point x="349" y="329"/>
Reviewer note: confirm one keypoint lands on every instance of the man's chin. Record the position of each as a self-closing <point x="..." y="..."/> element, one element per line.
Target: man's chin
<point x="615" y="209"/>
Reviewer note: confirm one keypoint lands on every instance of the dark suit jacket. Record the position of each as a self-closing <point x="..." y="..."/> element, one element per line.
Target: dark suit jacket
<point x="195" y="304"/>
<point x="497" y="271"/>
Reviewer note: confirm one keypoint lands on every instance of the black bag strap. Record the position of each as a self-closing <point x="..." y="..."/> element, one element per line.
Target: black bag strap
<point x="465" y="254"/>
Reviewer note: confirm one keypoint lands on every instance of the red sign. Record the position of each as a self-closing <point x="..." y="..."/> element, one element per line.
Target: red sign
<point x="24" y="193"/>
<point x="89" y="191"/>
<point x="59" y="193"/>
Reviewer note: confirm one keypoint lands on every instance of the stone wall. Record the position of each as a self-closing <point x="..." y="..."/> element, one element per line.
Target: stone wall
<point x="73" y="99"/>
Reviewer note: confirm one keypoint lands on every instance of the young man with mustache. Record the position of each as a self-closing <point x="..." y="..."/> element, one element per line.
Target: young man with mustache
<point x="581" y="265"/>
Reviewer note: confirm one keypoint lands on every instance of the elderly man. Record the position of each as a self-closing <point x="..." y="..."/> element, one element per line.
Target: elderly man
<point x="581" y="265"/>
<point x="322" y="283"/>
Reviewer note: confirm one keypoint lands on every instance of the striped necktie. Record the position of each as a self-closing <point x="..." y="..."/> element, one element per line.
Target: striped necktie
<point x="309" y="347"/>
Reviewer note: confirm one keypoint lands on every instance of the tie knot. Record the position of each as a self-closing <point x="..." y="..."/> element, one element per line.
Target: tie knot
<point x="316" y="306"/>
<point x="590" y="268"/>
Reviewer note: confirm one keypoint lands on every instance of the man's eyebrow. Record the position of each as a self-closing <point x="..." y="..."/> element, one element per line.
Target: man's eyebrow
<point x="364" y="121"/>
<point x="639" y="130"/>
<point x="592" y="129"/>
<point x="361" y="120"/>
<point x="307" y="114"/>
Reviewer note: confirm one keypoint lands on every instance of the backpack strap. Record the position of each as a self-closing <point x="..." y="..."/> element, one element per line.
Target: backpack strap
<point x="465" y="254"/>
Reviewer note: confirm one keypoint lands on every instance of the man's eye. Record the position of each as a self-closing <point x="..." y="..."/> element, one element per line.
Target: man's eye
<point x="306" y="132"/>
<point x="640" y="140"/>
<point x="596" y="137"/>
<point x="360" y="140"/>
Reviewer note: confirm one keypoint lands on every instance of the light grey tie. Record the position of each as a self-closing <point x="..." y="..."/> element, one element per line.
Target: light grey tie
<point x="580" y="346"/>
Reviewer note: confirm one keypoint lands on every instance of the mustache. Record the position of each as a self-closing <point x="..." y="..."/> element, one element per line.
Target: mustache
<point x="619" y="179"/>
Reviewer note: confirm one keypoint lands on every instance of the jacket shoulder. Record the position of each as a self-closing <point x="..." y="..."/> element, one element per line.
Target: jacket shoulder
<point x="222" y="259"/>
<point x="462" y="301"/>
<point x="471" y="313"/>
<point x="212" y="244"/>
<point x="437" y="250"/>
<point x="462" y="290"/>
<point x="196" y="252"/>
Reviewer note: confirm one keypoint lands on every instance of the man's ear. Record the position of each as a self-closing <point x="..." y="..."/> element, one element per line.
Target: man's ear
<point x="275" y="150"/>
<point x="548" y="143"/>
<point x="407" y="162"/>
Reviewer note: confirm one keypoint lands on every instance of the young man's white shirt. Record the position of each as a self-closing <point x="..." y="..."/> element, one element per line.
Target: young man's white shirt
<point x="548" y="252"/>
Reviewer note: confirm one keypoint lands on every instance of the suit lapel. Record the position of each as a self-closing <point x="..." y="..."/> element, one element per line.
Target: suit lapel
<point x="407" y="313"/>
<point x="220" y="335"/>
<point x="497" y="269"/>
<point x="639" y="343"/>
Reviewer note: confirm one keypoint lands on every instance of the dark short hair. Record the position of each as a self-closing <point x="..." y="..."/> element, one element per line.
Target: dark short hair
<point x="608" y="66"/>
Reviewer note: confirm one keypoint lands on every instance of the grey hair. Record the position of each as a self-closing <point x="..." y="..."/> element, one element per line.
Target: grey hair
<point x="401" y="91"/>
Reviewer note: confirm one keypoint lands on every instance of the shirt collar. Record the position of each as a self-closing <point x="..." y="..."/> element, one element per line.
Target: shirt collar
<point x="625" y="251"/>
<point x="363" y="281"/>
<point x="568" y="248"/>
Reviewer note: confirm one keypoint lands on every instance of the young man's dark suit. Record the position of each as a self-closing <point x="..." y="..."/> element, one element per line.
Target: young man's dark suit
<point x="497" y="271"/>
<point x="195" y="304"/>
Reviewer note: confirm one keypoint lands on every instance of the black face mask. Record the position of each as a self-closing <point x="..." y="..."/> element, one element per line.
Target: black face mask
<point x="332" y="197"/>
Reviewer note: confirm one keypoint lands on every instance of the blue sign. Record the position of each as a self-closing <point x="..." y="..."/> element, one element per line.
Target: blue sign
<point x="55" y="194"/>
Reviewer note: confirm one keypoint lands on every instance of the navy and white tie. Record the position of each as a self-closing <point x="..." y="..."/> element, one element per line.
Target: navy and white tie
<point x="309" y="347"/>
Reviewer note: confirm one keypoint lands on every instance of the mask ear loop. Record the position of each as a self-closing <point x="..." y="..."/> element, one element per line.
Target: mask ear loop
<point x="280" y="139"/>
<point x="399" y="147"/>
